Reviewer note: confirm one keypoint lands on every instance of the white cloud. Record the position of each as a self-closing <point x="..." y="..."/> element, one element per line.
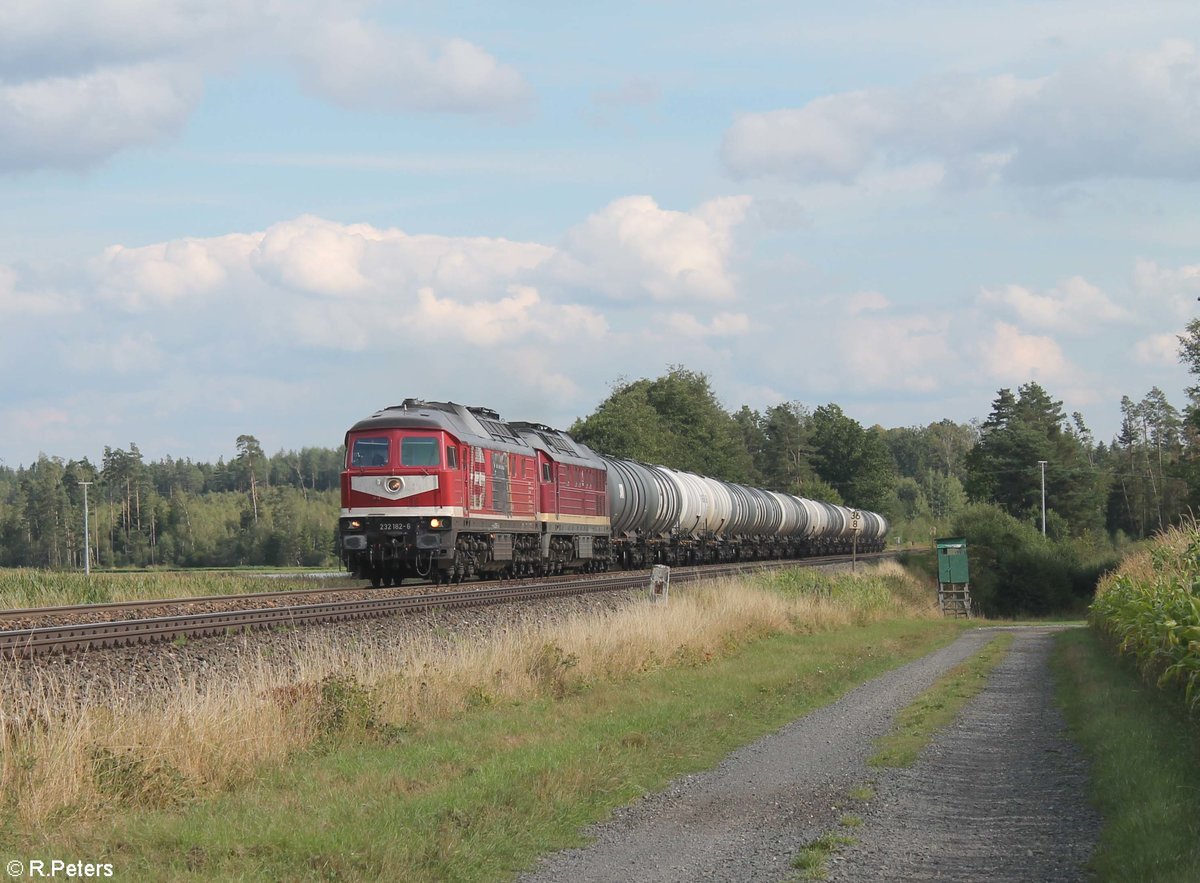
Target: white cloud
<point x="687" y="325"/>
<point x="82" y="81"/>
<point x="544" y="375"/>
<point x="1157" y="349"/>
<point x="16" y="301"/>
<point x="1010" y="356"/>
<point x="633" y="249"/>
<point x="866" y="301"/>
<point x="520" y="314"/>
<point x="1130" y="115"/>
<point x="1177" y="289"/>
<point x="314" y="255"/>
<point x="1075" y="305"/>
<point x="361" y="65"/>
<point x="76" y="121"/>
<point x="895" y="352"/>
<point x="161" y="274"/>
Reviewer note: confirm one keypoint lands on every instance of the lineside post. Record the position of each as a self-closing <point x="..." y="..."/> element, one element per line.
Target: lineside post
<point x="660" y="583"/>
<point x="855" y="530"/>
<point x="87" y="534"/>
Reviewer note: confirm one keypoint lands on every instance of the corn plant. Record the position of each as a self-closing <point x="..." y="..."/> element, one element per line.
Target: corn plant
<point x="1153" y="613"/>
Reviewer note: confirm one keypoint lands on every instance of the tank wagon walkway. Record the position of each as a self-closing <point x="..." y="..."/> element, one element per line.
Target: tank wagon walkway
<point x="1000" y="795"/>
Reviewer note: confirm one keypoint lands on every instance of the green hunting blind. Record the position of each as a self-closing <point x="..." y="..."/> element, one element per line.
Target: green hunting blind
<point x="954" y="579"/>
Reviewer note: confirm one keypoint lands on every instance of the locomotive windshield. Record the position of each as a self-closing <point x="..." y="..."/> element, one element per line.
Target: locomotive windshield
<point x="370" y="452"/>
<point x="420" y="452"/>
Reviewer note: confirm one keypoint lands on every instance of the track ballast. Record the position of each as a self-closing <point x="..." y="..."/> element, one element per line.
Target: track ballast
<point x="36" y="641"/>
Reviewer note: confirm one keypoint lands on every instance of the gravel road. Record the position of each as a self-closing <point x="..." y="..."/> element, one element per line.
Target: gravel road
<point x="998" y="796"/>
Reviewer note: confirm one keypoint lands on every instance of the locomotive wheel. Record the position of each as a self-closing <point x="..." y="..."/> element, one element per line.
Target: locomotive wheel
<point x="376" y="580"/>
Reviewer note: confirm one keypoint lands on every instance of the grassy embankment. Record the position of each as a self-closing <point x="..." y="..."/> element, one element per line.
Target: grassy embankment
<point x="27" y="587"/>
<point x="1125" y="685"/>
<point x="446" y="759"/>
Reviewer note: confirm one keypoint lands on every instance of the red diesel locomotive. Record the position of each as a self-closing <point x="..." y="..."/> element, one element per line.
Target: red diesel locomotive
<point x="444" y="492"/>
<point x="439" y="491"/>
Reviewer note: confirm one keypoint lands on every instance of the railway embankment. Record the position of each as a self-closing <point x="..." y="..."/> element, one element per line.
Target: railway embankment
<point x="453" y="741"/>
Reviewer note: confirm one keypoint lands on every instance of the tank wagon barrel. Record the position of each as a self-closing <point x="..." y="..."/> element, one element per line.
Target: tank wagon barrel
<point x="446" y="492"/>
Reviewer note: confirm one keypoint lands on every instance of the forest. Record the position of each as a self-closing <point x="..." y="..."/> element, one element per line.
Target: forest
<point x="281" y="509"/>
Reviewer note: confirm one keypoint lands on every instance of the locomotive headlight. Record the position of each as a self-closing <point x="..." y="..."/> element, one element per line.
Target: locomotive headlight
<point x="435" y="522"/>
<point x="395" y="484"/>
<point x="354" y="525"/>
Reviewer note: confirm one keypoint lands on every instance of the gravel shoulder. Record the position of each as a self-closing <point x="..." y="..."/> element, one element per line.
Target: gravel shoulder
<point x="998" y="796"/>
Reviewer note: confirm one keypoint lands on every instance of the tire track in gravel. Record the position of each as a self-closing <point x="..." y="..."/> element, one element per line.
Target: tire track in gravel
<point x="998" y="795"/>
<point x="748" y="817"/>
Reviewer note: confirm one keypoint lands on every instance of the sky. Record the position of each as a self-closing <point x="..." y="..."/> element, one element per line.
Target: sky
<point x="274" y="219"/>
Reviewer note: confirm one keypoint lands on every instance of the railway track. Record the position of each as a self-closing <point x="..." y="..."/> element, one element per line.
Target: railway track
<point x="40" y="640"/>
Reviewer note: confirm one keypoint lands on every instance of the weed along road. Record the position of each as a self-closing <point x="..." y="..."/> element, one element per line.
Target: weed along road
<point x="999" y="794"/>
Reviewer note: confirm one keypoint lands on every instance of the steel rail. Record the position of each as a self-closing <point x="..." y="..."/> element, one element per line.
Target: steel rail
<point x="30" y="642"/>
<point x="150" y="603"/>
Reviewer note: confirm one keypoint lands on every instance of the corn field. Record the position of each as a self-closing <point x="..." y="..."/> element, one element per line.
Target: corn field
<point x="1151" y="609"/>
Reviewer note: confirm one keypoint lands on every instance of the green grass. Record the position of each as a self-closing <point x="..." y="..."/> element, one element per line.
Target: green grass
<point x="938" y="706"/>
<point x="27" y="587"/>
<point x="865" y="793"/>
<point x="1145" y="763"/>
<point x="480" y="796"/>
<point x="812" y="858"/>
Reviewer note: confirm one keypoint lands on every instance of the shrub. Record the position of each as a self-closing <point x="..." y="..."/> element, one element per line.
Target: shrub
<point x="1015" y="570"/>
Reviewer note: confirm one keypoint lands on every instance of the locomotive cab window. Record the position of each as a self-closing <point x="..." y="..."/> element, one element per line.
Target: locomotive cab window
<point x="420" y="452"/>
<point x="451" y="457"/>
<point x="370" y="452"/>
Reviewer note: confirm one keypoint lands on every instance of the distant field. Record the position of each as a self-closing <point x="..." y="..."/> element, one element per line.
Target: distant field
<point x="28" y="587"/>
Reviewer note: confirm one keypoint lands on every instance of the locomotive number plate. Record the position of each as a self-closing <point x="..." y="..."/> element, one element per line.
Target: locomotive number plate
<point x="393" y="525"/>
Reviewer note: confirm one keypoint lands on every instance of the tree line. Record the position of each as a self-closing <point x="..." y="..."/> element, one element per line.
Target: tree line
<point x="281" y="509"/>
<point x="922" y="477"/>
<point x="253" y="509"/>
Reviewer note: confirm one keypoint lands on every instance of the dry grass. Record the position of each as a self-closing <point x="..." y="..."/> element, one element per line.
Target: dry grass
<point x="69" y="751"/>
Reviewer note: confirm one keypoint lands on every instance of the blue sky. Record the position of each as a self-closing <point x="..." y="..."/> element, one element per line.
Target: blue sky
<point x="218" y="220"/>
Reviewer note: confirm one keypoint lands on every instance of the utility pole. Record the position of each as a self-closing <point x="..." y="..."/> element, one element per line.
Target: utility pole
<point x="1042" y="463"/>
<point x="87" y="536"/>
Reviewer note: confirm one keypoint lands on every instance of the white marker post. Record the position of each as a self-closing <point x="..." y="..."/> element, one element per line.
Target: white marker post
<point x="660" y="582"/>
<point x="855" y="528"/>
